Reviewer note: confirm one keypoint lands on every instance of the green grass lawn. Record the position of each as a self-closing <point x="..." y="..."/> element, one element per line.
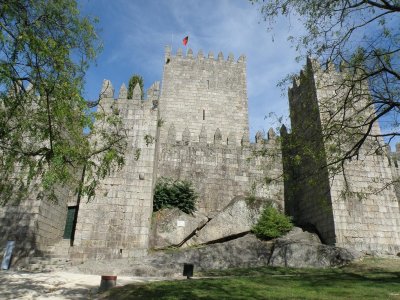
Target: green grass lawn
<point x="368" y="279"/>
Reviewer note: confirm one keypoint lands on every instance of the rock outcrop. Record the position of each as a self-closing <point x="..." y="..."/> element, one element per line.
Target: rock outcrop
<point x="300" y="235"/>
<point x="172" y="227"/>
<point x="302" y="249"/>
<point x="243" y="252"/>
<point x="296" y="254"/>
<point x="236" y="219"/>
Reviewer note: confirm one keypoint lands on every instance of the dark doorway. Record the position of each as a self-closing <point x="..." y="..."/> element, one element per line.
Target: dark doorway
<point x="69" y="224"/>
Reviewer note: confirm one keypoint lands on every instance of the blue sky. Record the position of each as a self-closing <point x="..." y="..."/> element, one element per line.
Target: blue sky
<point x="134" y="34"/>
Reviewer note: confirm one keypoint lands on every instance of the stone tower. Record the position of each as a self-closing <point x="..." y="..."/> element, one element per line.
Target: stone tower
<point x="115" y="224"/>
<point x="357" y="205"/>
<point x="204" y="93"/>
<point x="204" y="131"/>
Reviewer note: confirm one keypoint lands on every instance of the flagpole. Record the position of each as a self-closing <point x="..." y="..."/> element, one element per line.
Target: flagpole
<point x="172" y="40"/>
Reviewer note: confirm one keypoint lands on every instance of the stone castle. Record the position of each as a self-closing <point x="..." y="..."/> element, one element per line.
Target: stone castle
<point x="196" y="127"/>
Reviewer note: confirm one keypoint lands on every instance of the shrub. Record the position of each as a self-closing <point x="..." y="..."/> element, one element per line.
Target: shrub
<point x="272" y="224"/>
<point x="135" y="79"/>
<point x="170" y="193"/>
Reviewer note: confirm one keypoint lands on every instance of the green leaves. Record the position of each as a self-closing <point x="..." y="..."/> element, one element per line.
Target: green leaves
<point x="133" y="81"/>
<point x="149" y="139"/>
<point x="363" y="38"/>
<point x="48" y="45"/>
<point x="170" y="193"/>
<point x="272" y="224"/>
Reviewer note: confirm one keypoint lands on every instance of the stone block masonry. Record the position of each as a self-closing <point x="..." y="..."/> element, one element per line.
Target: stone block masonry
<point x="115" y="224"/>
<point x="195" y="127"/>
<point x="34" y="224"/>
<point x="201" y="94"/>
<point x="356" y="207"/>
<point x="394" y="163"/>
<point x="205" y="132"/>
<point x="220" y="172"/>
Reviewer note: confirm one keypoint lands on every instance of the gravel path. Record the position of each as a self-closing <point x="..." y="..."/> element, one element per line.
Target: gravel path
<point x="56" y="285"/>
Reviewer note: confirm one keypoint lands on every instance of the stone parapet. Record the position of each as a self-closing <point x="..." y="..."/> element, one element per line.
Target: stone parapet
<point x="224" y="169"/>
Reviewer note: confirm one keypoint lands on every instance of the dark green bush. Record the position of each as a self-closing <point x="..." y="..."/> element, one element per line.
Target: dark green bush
<point x="135" y="79"/>
<point x="170" y="193"/>
<point x="272" y="224"/>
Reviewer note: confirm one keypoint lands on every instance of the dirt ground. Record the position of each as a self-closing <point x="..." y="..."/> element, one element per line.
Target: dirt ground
<point x="55" y="285"/>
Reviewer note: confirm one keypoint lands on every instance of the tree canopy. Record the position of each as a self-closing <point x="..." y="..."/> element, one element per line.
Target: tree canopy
<point x="45" y="49"/>
<point x="360" y="40"/>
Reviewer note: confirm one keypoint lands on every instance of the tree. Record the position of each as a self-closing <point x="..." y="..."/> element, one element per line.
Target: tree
<point x="272" y="224"/>
<point x="169" y="193"/>
<point x="135" y="79"/>
<point x="362" y="38"/>
<point x="47" y="132"/>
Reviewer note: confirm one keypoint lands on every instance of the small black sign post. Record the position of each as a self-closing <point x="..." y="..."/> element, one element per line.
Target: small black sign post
<point x="188" y="270"/>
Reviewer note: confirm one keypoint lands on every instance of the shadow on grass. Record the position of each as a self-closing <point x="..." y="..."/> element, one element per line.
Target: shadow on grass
<point x="353" y="282"/>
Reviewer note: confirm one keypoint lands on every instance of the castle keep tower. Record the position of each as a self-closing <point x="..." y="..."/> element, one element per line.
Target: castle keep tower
<point x="204" y="92"/>
<point x="353" y="206"/>
<point x="204" y="131"/>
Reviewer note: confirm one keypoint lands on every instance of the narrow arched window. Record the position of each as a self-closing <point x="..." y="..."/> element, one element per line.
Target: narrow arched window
<point x="204" y="114"/>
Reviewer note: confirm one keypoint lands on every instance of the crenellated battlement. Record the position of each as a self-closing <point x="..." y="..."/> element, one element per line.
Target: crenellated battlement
<point x="170" y="58"/>
<point x="122" y="103"/>
<point x="230" y="140"/>
<point x="302" y="80"/>
<point x="221" y="169"/>
<point x="328" y="73"/>
<point x="202" y="91"/>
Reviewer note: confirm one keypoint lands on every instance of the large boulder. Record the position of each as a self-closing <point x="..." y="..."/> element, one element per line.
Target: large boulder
<point x="171" y="227"/>
<point x="303" y="254"/>
<point x="236" y="219"/>
<point x="244" y="252"/>
<point x="299" y="235"/>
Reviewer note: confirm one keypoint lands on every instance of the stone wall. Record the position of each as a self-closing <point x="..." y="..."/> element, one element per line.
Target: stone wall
<point x="33" y="224"/>
<point x="205" y="133"/>
<point x="307" y="189"/>
<point x="221" y="171"/>
<point x="203" y="94"/>
<point x="360" y="196"/>
<point x="18" y="223"/>
<point x="51" y="220"/>
<point x="116" y="222"/>
<point x="394" y="163"/>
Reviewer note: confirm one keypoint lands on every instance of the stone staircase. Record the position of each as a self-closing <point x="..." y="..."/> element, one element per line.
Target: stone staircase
<point x="53" y="258"/>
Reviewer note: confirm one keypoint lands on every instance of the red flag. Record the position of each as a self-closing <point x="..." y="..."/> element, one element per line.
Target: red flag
<point x="185" y="40"/>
